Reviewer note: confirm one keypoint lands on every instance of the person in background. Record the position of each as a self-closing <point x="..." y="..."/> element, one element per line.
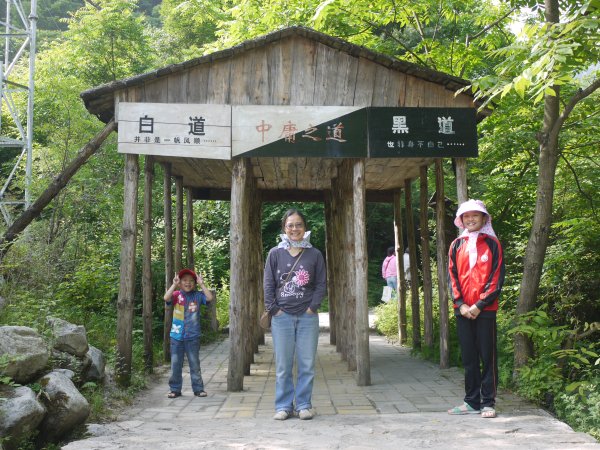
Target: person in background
<point x="294" y="285"/>
<point x="185" y="330"/>
<point x="389" y="270"/>
<point x="406" y="257"/>
<point x="476" y="276"/>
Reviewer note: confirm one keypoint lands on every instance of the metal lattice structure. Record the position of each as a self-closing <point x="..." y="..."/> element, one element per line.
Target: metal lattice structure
<point x="19" y="40"/>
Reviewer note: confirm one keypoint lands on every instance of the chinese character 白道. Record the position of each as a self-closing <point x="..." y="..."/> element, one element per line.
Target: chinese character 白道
<point x="146" y="124"/>
<point x="309" y="131"/>
<point x="197" y="126"/>
<point x="289" y="132"/>
<point x="445" y="125"/>
<point x="399" y="126"/>
<point x="334" y="132"/>
<point x="263" y="128"/>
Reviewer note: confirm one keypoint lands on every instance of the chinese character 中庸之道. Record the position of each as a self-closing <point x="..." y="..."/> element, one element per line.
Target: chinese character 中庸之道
<point x="309" y="131"/>
<point x="263" y="128"/>
<point x="197" y="126"/>
<point x="399" y="126"/>
<point x="445" y="125"/>
<point x="334" y="132"/>
<point x="146" y="124"/>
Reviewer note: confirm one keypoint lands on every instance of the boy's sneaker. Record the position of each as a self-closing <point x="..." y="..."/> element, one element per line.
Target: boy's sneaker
<point x="306" y="414"/>
<point x="281" y="415"/>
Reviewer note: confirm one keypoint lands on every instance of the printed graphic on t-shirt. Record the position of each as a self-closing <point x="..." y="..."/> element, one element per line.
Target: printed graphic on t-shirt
<point x="295" y="284"/>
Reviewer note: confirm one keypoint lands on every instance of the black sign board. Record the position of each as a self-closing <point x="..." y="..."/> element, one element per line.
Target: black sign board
<point x="422" y="132"/>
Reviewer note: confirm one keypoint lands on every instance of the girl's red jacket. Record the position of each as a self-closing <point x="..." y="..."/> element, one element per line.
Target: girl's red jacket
<point x="482" y="284"/>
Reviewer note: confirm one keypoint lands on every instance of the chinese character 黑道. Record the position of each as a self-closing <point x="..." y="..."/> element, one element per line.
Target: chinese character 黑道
<point x="399" y="126"/>
<point x="308" y="133"/>
<point x="334" y="132"/>
<point x="197" y="126"/>
<point x="146" y="124"/>
<point x="445" y="125"/>
<point x="289" y="132"/>
<point x="263" y="128"/>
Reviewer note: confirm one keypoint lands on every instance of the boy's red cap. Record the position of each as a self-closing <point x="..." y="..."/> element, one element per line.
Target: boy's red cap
<point x="187" y="272"/>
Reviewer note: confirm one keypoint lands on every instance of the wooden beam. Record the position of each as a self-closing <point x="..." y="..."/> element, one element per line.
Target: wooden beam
<point x="461" y="179"/>
<point x="127" y="273"/>
<point x="414" y="274"/>
<point x="440" y="211"/>
<point x="399" y="239"/>
<point x="169" y="263"/>
<point x="426" y="261"/>
<point x="331" y="273"/>
<point x="363" y="360"/>
<point x="147" y="265"/>
<point x="190" y="228"/>
<point x="178" y="224"/>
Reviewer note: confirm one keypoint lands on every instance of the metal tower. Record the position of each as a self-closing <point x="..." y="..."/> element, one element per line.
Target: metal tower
<point x="18" y="37"/>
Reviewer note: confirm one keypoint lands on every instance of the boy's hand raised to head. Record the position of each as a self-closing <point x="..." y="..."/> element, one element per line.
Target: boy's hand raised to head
<point x="176" y="280"/>
<point x="199" y="280"/>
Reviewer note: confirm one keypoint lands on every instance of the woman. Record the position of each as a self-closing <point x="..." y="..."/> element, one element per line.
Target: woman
<point x="389" y="271"/>
<point x="294" y="284"/>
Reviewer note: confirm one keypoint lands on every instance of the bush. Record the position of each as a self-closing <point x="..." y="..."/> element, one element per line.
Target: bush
<point x="582" y="409"/>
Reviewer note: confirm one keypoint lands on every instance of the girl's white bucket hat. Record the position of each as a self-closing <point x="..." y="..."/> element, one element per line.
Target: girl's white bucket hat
<point x="470" y="205"/>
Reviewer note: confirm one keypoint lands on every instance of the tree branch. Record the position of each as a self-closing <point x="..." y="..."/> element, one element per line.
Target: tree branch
<point x="580" y="95"/>
<point x="579" y="188"/>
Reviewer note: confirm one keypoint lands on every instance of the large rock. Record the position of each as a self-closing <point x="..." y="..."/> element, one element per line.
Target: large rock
<point x="66" y="407"/>
<point x="68" y="337"/>
<point x="20" y="414"/>
<point x="95" y="372"/>
<point x="78" y="365"/>
<point x="26" y="352"/>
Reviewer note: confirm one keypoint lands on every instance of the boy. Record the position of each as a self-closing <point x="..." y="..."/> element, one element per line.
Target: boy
<point x="185" y="331"/>
<point x="476" y="275"/>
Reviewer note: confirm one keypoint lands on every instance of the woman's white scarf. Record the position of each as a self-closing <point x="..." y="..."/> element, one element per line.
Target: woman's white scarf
<point x="472" y="239"/>
<point x="286" y="242"/>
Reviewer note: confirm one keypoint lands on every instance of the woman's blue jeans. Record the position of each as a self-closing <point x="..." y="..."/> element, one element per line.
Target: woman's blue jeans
<point x="191" y="349"/>
<point x="294" y="337"/>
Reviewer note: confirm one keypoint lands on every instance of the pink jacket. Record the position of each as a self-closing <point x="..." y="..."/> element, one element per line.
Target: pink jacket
<point x="388" y="268"/>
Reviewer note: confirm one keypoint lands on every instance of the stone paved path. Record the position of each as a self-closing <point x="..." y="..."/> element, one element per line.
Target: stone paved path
<point x="403" y="408"/>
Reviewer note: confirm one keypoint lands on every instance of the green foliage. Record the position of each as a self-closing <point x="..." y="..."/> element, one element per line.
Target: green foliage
<point x="222" y="300"/>
<point x="582" y="409"/>
<point x="5" y="360"/>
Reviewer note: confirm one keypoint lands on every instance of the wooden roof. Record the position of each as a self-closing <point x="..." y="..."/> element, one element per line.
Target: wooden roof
<point x="293" y="66"/>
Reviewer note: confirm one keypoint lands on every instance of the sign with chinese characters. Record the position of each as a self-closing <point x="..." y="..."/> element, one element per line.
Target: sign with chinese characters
<point x="299" y="131"/>
<point x="422" y="132"/>
<point x="175" y="129"/>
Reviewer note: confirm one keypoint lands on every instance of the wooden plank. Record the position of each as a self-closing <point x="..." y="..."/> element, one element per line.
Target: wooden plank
<point x="156" y="91"/>
<point x="461" y="180"/>
<point x="365" y="83"/>
<point x="414" y="276"/>
<point x="303" y="67"/>
<point x="426" y="260"/>
<point x="177" y="91"/>
<point x="126" y="296"/>
<point x="279" y="61"/>
<point x="399" y="242"/>
<point x="440" y="214"/>
<point x="415" y="92"/>
<point x="219" y="82"/>
<point x="147" y="265"/>
<point x="198" y="84"/>
<point x="363" y="361"/>
<point x="329" y="260"/>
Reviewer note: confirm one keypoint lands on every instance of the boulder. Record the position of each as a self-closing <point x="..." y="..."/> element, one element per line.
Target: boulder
<point x="78" y="365"/>
<point x="66" y="407"/>
<point x="68" y="337"/>
<point x="26" y="352"/>
<point x="20" y="414"/>
<point x="95" y="371"/>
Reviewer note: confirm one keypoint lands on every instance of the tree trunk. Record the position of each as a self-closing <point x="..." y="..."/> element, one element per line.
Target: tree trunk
<point x="147" y="264"/>
<point x="542" y="219"/>
<point x="58" y="183"/>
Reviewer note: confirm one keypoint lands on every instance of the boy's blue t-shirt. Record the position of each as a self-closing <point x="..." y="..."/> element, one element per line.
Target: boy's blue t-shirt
<point x="186" y="314"/>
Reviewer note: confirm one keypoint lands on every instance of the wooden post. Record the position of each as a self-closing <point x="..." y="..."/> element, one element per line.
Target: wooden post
<point x="147" y="264"/>
<point x="461" y="180"/>
<point x="259" y="265"/>
<point x="337" y="263"/>
<point x="178" y="223"/>
<point x="211" y="312"/>
<point x="399" y="238"/>
<point x="425" y="256"/>
<point x="350" y="296"/>
<point x="190" y="228"/>
<point x="440" y="211"/>
<point x="169" y="265"/>
<point x="240" y="231"/>
<point x="363" y="359"/>
<point x="414" y="274"/>
<point x="331" y="275"/>
<point x="127" y="272"/>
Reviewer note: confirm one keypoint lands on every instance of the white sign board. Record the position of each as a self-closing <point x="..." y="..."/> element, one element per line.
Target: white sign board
<point x="175" y="129"/>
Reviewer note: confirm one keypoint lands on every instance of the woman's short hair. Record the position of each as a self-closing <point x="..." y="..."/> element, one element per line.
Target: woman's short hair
<point x="291" y="212"/>
<point x="391" y="251"/>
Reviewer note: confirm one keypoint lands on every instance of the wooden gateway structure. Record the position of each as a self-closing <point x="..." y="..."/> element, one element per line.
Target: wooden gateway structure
<point x="295" y="115"/>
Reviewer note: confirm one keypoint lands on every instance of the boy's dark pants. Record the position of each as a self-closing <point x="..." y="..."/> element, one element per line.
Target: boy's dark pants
<point x="477" y="340"/>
